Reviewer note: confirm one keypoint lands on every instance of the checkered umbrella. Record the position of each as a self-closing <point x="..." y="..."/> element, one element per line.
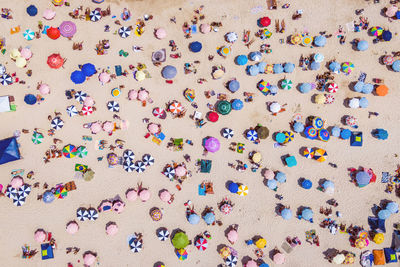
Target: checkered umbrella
<point x="148" y="160"/>
<point x="24" y="190"/>
<point x="163" y="234"/>
<point x="129" y="166"/>
<point x="19" y="200"/>
<point x="6" y="79"/>
<point x="11" y="192"/>
<point x="113" y="106"/>
<point x="128" y="155"/>
<point x="231" y="260"/>
<point x="169" y="172"/>
<point x="82" y="214"/>
<point x="86" y="110"/>
<point x="135" y="245"/>
<point x="29" y="34"/>
<point x="95" y="15"/>
<point x="57" y="123"/>
<point x="227" y="133"/>
<point x="80" y="96"/>
<point x="124" y="32"/>
<point x="139" y="166"/>
<point x="251" y="135"/>
<point x="72" y="111"/>
<point x="92" y="214"/>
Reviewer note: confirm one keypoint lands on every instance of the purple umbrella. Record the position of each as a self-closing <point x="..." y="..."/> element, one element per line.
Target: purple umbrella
<point x="212" y="144"/>
<point x="67" y="29"/>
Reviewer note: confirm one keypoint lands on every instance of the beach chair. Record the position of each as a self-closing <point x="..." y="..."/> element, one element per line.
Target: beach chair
<point x="379" y="257"/>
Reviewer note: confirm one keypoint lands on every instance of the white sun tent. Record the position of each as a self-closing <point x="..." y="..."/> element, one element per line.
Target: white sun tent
<point x="4" y="104"/>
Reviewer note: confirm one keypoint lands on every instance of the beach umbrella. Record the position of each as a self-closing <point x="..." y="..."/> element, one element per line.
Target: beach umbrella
<point x="180" y="240"/>
<point x="160" y="33"/>
<point x="67" y="29"/>
<point x="289" y="136"/>
<point x="139" y="166"/>
<point x="11" y="192"/>
<point x="87" y="110"/>
<point x="280" y="177"/>
<point x="226" y="209"/>
<point x="381" y="134"/>
<point x="306" y="184"/>
<point x="6" y="79"/>
<point x="135" y="245"/>
<point x="286" y="214"/>
<point x="311" y="133"/>
<point x="81" y="151"/>
<point x="55" y="61"/>
<point x="335" y="131"/>
<point x="305" y="88"/>
<point x="78" y="77"/>
<point x="350" y="258"/>
<point x="213" y="116"/>
<point x="175" y="108"/>
<point x="241" y="60"/>
<point x="140" y="75"/>
<point x="180" y="171"/>
<point x="104" y="77"/>
<point x="80" y="96"/>
<point x="333" y="87"/>
<point x="224" y="107"/>
<point x="351" y="121"/>
<point x="338" y="259"/>
<point x="347" y="67"/>
<point x="237" y="104"/>
<point x="29" y="34"/>
<point x="391" y="11"/>
<point x="193" y="218"/>
<point x="82" y="214"/>
<point x="113" y="106"/>
<point x="308" y="152"/>
<point x="273" y="89"/>
<point x="111" y="229"/>
<point x="195" y="47"/>
<point x="264" y="87"/>
<point x="88" y="69"/>
<point x="256" y="157"/>
<point x="19" y="201"/>
<point x="328" y="186"/>
<point x="329" y="98"/>
<point x="261" y="243"/>
<point x="307" y="40"/>
<point x="307" y="214"/>
<point x="262" y="131"/>
<point x="156" y="214"/>
<point x="24" y="190"/>
<point x="14" y="54"/>
<point x="323" y="135"/>
<point x="115" y="92"/>
<point x="280" y="138"/>
<point x="315" y="65"/>
<point x="367" y="88"/>
<point x="159" y="113"/>
<point x="320" y="99"/>
<point x="163" y="234"/>
<point x="72" y="227"/>
<point x="387" y="36"/>
<point x="209" y="218"/>
<point x="148" y="160"/>
<point x="286" y="84"/>
<point x="95" y="15"/>
<point x="384" y="214"/>
<point x="37" y="138"/>
<point x="296" y="38"/>
<point x="20" y="62"/>
<point x="251" y="263"/>
<point x="255" y="56"/>
<point x="243" y="190"/>
<point x="264" y="21"/>
<point x="17" y="182"/>
<point x="165" y="196"/>
<point x="231" y="37"/>
<point x="31" y="10"/>
<point x="253" y="70"/>
<point x="88" y="101"/>
<point x="382" y="90"/>
<point x="345" y="134"/>
<point x="334" y="67"/>
<point x="48" y="197"/>
<point x="275" y="107"/>
<point x="181" y="254"/>
<point x="279" y="258"/>
<point x="57" y="123"/>
<point x="169" y="172"/>
<point x="227" y="133"/>
<point x="212" y="144"/>
<point x="278" y="68"/>
<point x="233" y="187"/>
<point x="388" y="60"/>
<point x="129" y="166"/>
<point x="169" y="72"/>
<point x="251" y="135"/>
<point x="124" y="31"/>
<point x="131" y="194"/>
<point x="354" y="103"/>
<point x="95" y="128"/>
<point x="317" y="123"/>
<point x="53" y="33"/>
<point x="205" y="28"/>
<point x="379" y="238"/>
<point x="362" y="178"/>
<point x="396" y="65"/>
<point x="69" y="151"/>
<point x="231" y="260"/>
<point x="318" y="57"/>
<point x="30" y="99"/>
<point x="269" y="174"/>
<point x="272" y="184"/>
<point x="233" y="86"/>
<point x="288" y="67"/>
<point x="49" y="14"/>
<point x="201" y="244"/>
<point x="320" y="41"/>
<point x="393" y="207"/>
<point x="320" y="155"/>
<point x="376" y="31"/>
<point x="2" y="69"/>
<point x="72" y="111"/>
<point x="362" y="45"/>
<point x="60" y="192"/>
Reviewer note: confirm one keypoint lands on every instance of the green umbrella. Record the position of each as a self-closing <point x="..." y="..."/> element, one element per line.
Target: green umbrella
<point x="224" y="107"/>
<point x="287" y="84"/>
<point x="81" y="151"/>
<point x="262" y="132"/>
<point x="180" y="240"/>
<point x="37" y="138"/>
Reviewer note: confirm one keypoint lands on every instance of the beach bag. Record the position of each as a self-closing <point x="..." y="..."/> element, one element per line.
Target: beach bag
<point x="379" y="257"/>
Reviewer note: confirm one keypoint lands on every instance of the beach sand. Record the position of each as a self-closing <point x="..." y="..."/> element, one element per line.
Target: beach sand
<point x="255" y="213"/>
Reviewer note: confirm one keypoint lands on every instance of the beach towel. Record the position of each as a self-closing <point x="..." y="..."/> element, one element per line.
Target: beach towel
<point x="366" y="259"/>
<point x="202" y="190"/>
<point x="396" y="241"/>
<point x="379" y="257"/>
<point x="377" y="224"/>
<point x="390" y="255"/>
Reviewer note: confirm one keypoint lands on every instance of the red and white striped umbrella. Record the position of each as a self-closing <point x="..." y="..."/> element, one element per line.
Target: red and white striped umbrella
<point x="226" y="209"/>
<point x="201" y="243"/>
<point x="329" y="98"/>
<point x="333" y="87"/>
<point x="351" y="120"/>
<point x="159" y="112"/>
<point x="175" y="108"/>
<point x="87" y="110"/>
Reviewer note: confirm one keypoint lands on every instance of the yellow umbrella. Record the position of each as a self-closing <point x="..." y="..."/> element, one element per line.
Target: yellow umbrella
<point x="58" y="2"/>
<point x="256" y="157"/>
<point x="261" y="243"/>
<point x="243" y="190"/>
<point x="320" y="99"/>
<point x="225" y="252"/>
<point x="360" y="243"/>
<point x="269" y="69"/>
<point x="296" y="38"/>
<point x="379" y="238"/>
<point x="14" y="54"/>
<point x="140" y="75"/>
<point x="307" y="40"/>
<point x="20" y="62"/>
<point x="350" y="258"/>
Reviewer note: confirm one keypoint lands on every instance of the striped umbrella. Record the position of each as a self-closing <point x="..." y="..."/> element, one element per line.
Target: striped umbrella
<point x="95" y="15"/>
<point x="376" y="31"/>
<point x="289" y="136"/>
<point x="29" y="34"/>
<point x="333" y="87"/>
<point x="129" y="166"/>
<point x="87" y="110"/>
<point x="37" y="138"/>
<point x="317" y="123"/>
<point x="347" y="67"/>
<point x="243" y="190"/>
<point x="251" y="135"/>
<point x="320" y="155"/>
<point x="308" y="153"/>
<point x="128" y="155"/>
<point x="124" y="32"/>
<point x="72" y="111"/>
<point x="323" y="135"/>
<point x="286" y="84"/>
<point x="69" y="151"/>
<point x="6" y="79"/>
<point x="159" y="113"/>
<point x="57" y="123"/>
<point x="80" y="96"/>
<point x="175" y="108"/>
<point x="81" y="151"/>
<point x="201" y="244"/>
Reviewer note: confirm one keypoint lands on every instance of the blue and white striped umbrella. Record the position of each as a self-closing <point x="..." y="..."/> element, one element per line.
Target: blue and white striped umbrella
<point x="29" y="34"/>
<point x="72" y="111"/>
<point x="252" y="135"/>
<point x="80" y="96"/>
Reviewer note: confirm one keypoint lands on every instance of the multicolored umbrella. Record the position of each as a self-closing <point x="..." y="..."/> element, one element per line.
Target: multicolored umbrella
<point x="87" y="110"/>
<point x="347" y="67"/>
<point x="333" y="87"/>
<point x="311" y="133"/>
<point x="72" y="111"/>
<point x="175" y="108"/>
<point x="323" y="135"/>
<point x="251" y="135"/>
<point x="81" y="151"/>
<point x="351" y="121"/>
<point x="29" y="34"/>
<point x="296" y="38"/>
<point x="307" y="40"/>
<point x="156" y="214"/>
<point x="67" y="29"/>
<point x="57" y="123"/>
<point x="350" y="258"/>
<point x="308" y="153"/>
<point x="376" y="31"/>
<point x="243" y="190"/>
<point x="37" y="138"/>
<point x="69" y="151"/>
<point x="388" y="60"/>
<point x="201" y="244"/>
<point x="264" y="87"/>
<point x="360" y="243"/>
<point x="320" y="155"/>
<point x="60" y="192"/>
<point x="317" y="123"/>
<point x="289" y="136"/>
<point x="224" y="51"/>
<point x="266" y="33"/>
<point x="329" y="99"/>
<point x="286" y="84"/>
<point x="181" y="254"/>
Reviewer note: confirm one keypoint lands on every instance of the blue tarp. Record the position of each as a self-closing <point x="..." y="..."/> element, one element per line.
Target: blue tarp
<point x="9" y="150"/>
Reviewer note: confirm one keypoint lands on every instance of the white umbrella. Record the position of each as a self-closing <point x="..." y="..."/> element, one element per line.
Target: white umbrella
<point x="275" y="107"/>
<point x="124" y="32"/>
<point x="354" y="103"/>
<point x="113" y="106"/>
<point x="231" y="37"/>
<point x="57" y="123"/>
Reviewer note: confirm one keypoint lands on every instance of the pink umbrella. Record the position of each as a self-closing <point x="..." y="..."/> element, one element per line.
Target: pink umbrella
<point x="205" y="28"/>
<point x="160" y="33"/>
<point x="251" y="263"/>
<point x="212" y="144"/>
<point x="118" y="206"/>
<point x="17" y="182"/>
<point x="26" y="53"/>
<point x="44" y="89"/>
<point x="89" y="258"/>
<point x="180" y="171"/>
<point x="108" y="126"/>
<point x="124" y="124"/>
<point x="153" y="128"/>
<point x="143" y="95"/>
<point x="232" y="236"/>
<point x="40" y="235"/>
<point x="49" y="14"/>
<point x="67" y="29"/>
<point x="269" y="175"/>
<point x="131" y="195"/>
<point x="111" y="229"/>
<point x="88" y="101"/>
<point x="104" y="77"/>
<point x="144" y="195"/>
<point x="279" y="258"/>
<point x="72" y="227"/>
<point x="132" y="94"/>
<point x="95" y="127"/>
<point x="165" y="196"/>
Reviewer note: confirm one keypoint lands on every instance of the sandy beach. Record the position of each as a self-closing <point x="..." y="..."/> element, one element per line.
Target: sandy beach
<point x="256" y="213"/>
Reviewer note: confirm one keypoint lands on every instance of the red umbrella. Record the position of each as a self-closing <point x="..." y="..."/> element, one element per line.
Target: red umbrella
<point x="213" y="116"/>
<point x="201" y="244"/>
<point x="55" y="61"/>
<point x="53" y="33"/>
<point x="159" y="113"/>
<point x="87" y="110"/>
<point x="265" y="21"/>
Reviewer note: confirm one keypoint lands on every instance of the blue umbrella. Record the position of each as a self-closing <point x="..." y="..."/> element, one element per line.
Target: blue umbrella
<point x="233" y="187"/>
<point x="362" y="45"/>
<point x="305" y="88"/>
<point x="237" y="104"/>
<point x="393" y="207"/>
<point x="387" y="35"/>
<point x="320" y="41"/>
<point x="367" y="88"/>
<point x="251" y="135"/>
<point x="255" y="56"/>
<point x="253" y="70"/>
<point x="273" y="89"/>
<point x="30" y="99"/>
<point x="327" y="184"/>
<point x="362" y="178"/>
<point x="78" y="77"/>
<point x="298" y="127"/>
<point x="264" y="265"/>
<point x="280" y="177"/>
<point x="335" y="131"/>
<point x="233" y="86"/>
<point x="261" y="66"/>
<point x="88" y="69"/>
<point x="280" y="138"/>
<point x="384" y="214"/>
<point x="396" y="66"/>
<point x="306" y="184"/>
<point x="272" y="184"/>
<point x="381" y="134"/>
<point x="307" y="214"/>
<point x="169" y="72"/>
<point x="48" y="197"/>
<point x="364" y="102"/>
<point x="334" y="67"/>
<point x="195" y="47"/>
<point x="315" y="65"/>
<point x="358" y="87"/>
<point x="286" y="214"/>
<point x="398" y="15"/>
<point x="289" y="67"/>
<point x="345" y="134"/>
<point x="278" y="68"/>
<point x="193" y="218"/>
<point x="209" y="218"/>
<point x="241" y="60"/>
<point x="31" y="10"/>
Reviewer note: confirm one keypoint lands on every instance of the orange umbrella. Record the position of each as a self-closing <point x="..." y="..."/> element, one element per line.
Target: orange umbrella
<point x="53" y="33"/>
<point x="382" y="90"/>
<point x="55" y="61"/>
